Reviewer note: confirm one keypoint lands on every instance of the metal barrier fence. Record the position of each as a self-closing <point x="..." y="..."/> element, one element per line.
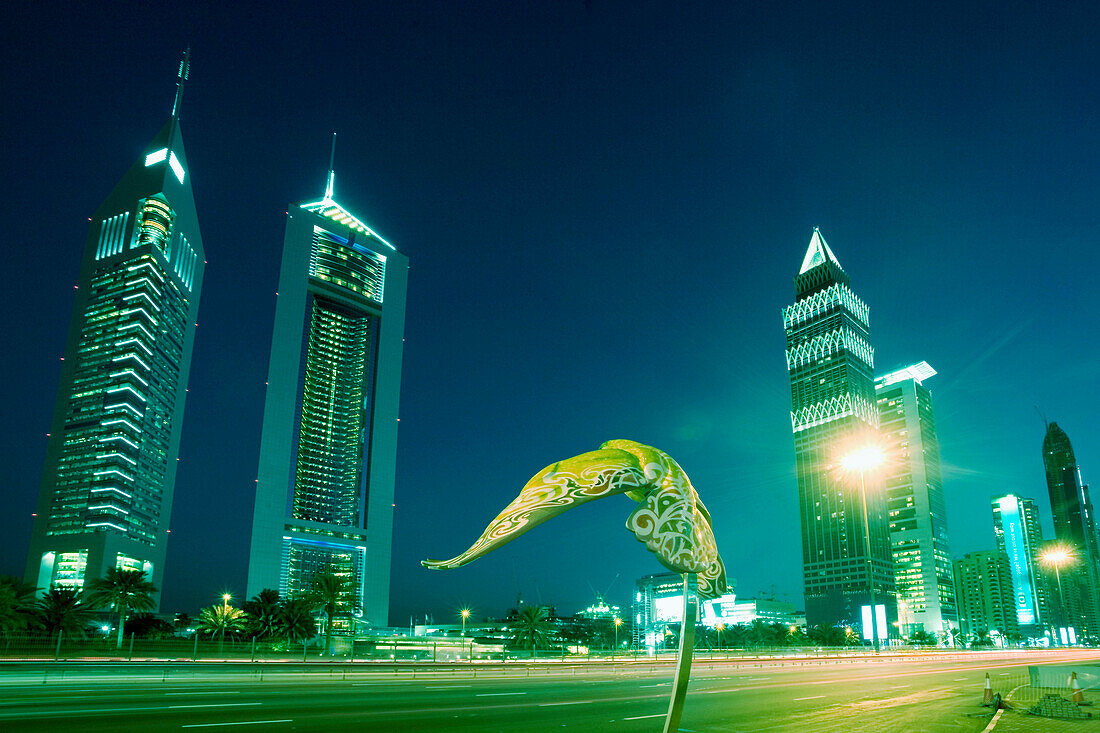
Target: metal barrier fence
<point x="1052" y="690"/>
<point x="446" y="650"/>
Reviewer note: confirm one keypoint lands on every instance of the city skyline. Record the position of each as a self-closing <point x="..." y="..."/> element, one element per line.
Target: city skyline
<point x="602" y="229"/>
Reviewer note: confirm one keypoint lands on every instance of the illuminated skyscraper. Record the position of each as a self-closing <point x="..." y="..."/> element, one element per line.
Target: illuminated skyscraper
<point x="110" y="471"/>
<point x="914" y="499"/>
<point x="1020" y="537"/>
<point x="324" y="494"/>
<point x="831" y="370"/>
<point x="1074" y="525"/>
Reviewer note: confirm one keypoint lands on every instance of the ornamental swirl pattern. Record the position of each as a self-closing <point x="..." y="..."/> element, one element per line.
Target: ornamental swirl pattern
<point x="671" y="520"/>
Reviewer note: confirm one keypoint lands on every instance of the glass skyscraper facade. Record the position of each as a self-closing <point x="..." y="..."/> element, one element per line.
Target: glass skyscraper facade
<point x="1075" y="526"/>
<point x="109" y="476"/>
<point x="914" y="502"/>
<point x="324" y="494"/>
<point x="830" y="364"/>
<point x="1019" y="537"/>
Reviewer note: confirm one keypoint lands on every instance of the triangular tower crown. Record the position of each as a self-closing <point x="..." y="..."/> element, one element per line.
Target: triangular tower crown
<point x="820" y="267"/>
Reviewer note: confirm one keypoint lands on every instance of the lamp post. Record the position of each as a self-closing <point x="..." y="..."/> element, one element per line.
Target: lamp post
<point x="618" y="623"/>
<point x="862" y="460"/>
<point x="465" y="613"/>
<point x="1056" y="557"/>
<point x="225" y="620"/>
<point x="720" y="628"/>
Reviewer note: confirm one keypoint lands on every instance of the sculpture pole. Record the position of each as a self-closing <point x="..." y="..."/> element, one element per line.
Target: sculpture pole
<point x="683" y="658"/>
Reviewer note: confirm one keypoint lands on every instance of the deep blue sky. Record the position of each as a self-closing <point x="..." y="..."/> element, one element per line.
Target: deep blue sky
<point x="603" y="206"/>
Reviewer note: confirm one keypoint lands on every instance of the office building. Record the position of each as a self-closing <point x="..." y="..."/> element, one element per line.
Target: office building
<point x="324" y="493"/>
<point x="985" y="594"/>
<point x="830" y="363"/>
<point x="1019" y="537"/>
<point x="913" y="483"/>
<point x="106" y="494"/>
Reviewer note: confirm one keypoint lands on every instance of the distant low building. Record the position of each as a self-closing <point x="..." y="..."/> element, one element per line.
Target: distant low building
<point x="659" y="605"/>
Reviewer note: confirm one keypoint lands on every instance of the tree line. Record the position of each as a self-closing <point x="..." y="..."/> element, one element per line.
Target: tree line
<point x="126" y="594"/>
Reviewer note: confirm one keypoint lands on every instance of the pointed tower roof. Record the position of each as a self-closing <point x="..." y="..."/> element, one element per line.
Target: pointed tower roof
<point x="820" y="268"/>
<point x="327" y="207"/>
<point x="817" y="253"/>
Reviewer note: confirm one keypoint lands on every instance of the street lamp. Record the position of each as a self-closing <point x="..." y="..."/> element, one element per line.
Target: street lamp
<point x="720" y="627"/>
<point x="862" y="460"/>
<point x="465" y="615"/>
<point x="1057" y="556"/>
<point x="225" y="601"/>
<point x="618" y="623"/>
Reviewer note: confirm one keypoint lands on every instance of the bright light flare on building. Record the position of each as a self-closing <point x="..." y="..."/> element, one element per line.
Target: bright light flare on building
<point x="863" y="459"/>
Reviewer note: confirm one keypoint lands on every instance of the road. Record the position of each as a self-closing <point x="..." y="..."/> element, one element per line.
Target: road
<point x="940" y="693"/>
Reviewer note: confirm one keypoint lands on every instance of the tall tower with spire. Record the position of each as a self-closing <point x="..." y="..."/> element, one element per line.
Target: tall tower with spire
<point x="324" y="490"/>
<point x="106" y="495"/>
<point x="830" y="363"/>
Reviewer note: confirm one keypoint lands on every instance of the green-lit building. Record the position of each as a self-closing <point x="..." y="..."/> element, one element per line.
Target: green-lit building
<point x="913" y="483"/>
<point x="830" y="363"/>
<point x="110" y="470"/>
<point x="1019" y="536"/>
<point x="324" y="492"/>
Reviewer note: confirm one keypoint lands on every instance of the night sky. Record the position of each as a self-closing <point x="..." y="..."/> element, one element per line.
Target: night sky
<point x="603" y="205"/>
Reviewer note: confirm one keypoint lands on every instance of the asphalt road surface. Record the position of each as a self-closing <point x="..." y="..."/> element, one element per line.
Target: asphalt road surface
<point x="940" y="693"/>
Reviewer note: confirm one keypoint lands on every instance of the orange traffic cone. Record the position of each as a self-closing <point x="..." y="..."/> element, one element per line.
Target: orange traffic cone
<point x="988" y="698"/>
<point x="1078" y="696"/>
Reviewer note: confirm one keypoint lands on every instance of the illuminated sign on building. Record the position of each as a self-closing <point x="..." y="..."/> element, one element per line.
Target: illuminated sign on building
<point x="1018" y="558"/>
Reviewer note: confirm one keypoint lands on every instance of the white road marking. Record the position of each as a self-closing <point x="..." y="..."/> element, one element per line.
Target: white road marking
<point x="659" y="684"/>
<point x="577" y="702"/>
<point x="218" y="692"/>
<point x="996" y="717"/>
<point x="498" y="694"/>
<point x="245" y="722"/>
<point x="960" y="679"/>
<point x="445" y="687"/>
<point x="643" y="717"/>
<point x="218" y="705"/>
<point x="811" y="697"/>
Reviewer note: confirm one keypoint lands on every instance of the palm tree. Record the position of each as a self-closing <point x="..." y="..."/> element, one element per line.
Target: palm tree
<point x="530" y="629"/>
<point x="16" y="605"/>
<point x="219" y="619"/>
<point x="123" y="590"/>
<point x="332" y="593"/>
<point x="263" y="613"/>
<point x="296" y="621"/>
<point x="63" y="610"/>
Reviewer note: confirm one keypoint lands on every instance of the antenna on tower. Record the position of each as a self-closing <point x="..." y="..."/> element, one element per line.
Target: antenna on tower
<point x="1042" y="417"/>
<point x="331" y="163"/>
<point x="181" y="77"/>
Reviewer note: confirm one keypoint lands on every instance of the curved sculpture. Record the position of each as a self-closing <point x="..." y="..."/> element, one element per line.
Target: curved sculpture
<point x="671" y="520"/>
